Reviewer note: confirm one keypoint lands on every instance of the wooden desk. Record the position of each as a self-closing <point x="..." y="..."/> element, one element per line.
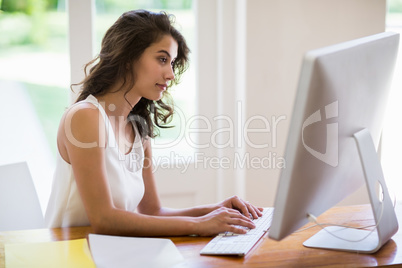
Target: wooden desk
<point x="268" y="253"/>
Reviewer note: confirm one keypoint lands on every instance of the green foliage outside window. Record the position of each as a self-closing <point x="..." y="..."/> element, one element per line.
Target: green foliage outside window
<point x="111" y="5"/>
<point x="28" y="21"/>
<point x="395" y="6"/>
<point x="22" y="21"/>
<point x="29" y="7"/>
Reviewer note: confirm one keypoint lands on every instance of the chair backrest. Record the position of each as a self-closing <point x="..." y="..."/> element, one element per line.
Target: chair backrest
<point x="19" y="203"/>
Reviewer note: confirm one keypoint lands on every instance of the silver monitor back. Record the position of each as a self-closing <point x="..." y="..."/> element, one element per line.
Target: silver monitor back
<point x="342" y="89"/>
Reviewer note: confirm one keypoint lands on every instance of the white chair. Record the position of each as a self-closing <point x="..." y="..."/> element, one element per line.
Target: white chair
<point x="19" y="203"/>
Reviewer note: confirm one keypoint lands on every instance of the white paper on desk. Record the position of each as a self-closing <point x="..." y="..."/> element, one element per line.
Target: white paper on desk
<point x="117" y="251"/>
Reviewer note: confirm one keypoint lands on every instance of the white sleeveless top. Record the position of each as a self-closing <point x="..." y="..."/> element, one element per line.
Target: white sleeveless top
<point x="123" y="173"/>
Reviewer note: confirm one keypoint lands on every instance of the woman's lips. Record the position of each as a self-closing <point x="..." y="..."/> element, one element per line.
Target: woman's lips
<point x="162" y="86"/>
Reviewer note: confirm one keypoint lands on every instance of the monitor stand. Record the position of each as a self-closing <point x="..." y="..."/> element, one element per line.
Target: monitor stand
<point x="386" y="224"/>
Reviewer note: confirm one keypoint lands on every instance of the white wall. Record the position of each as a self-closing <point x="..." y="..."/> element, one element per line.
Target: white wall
<point x="278" y="33"/>
<point x="81" y="37"/>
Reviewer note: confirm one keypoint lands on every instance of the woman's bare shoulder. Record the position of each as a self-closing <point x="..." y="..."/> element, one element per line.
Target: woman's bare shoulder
<point x="84" y="112"/>
<point x="81" y="123"/>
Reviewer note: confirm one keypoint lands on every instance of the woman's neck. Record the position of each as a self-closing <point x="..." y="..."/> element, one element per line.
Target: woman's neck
<point x="118" y="102"/>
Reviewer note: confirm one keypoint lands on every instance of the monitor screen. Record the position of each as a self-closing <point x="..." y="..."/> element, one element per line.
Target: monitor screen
<point x="342" y="89"/>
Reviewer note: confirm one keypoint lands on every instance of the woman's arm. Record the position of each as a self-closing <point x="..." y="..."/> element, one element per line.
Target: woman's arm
<point x="82" y="145"/>
<point x="151" y="204"/>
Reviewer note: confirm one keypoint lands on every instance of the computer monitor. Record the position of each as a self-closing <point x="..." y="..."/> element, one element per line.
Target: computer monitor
<point x="331" y="148"/>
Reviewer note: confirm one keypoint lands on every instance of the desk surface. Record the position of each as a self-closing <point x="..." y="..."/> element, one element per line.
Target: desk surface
<point x="268" y="253"/>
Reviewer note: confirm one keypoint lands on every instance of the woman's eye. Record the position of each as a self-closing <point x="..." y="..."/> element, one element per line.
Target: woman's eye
<point x="164" y="60"/>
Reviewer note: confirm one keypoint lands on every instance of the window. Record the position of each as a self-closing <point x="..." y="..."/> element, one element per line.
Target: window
<point x="392" y="142"/>
<point x="34" y="84"/>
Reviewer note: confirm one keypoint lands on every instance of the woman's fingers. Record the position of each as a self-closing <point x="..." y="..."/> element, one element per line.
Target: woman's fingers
<point x="246" y="208"/>
<point x="236" y="230"/>
<point x="236" y="218"/>
<point x="254" y="211"/>
<point x="241" y="205"/>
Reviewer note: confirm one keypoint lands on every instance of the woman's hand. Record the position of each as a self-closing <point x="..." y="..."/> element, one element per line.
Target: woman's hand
<point x="223" y="220"/>
<point x="243" y="206"/>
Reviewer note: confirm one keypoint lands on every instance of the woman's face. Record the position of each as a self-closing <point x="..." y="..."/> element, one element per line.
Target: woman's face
<point x="153" y="71"/>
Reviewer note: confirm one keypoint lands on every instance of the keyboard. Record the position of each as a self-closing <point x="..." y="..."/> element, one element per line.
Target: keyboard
<point x="239" y="244"/>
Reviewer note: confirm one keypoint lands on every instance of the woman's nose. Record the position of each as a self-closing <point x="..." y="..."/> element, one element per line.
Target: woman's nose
<point x="170" y="74"/>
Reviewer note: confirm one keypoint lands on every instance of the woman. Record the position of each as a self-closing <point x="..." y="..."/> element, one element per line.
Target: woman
<point x="103" y="175"/>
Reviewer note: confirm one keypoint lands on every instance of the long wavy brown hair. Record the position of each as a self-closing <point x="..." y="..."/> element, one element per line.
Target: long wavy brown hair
<point x="122" y="45"/>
